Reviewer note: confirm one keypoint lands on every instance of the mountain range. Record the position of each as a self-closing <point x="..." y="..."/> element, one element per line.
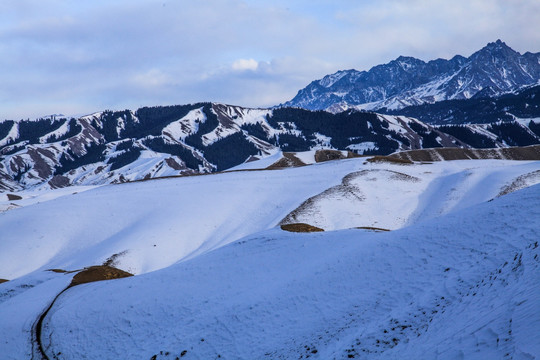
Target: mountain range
<point x="491" y="71"/>
<point x="488" y="100"/>
<point x="520" y="104"/>
<point x="120" y="146"/>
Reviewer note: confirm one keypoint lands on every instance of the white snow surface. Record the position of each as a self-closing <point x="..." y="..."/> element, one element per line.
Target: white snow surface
<point x="36" y="196"/>
<point x="525" y="121"/>
<point x="307" y="157"/>
<point x="262" y="163"/>
<point x="189" y="124"/>
<point x="11" y="136"/>
<point x="180" y="216"/>
<point x="363" y="146"/>
<point x="459" y="279"/>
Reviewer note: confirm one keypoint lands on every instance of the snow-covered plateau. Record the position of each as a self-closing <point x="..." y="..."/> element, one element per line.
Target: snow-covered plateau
<point x="457" y="276"/>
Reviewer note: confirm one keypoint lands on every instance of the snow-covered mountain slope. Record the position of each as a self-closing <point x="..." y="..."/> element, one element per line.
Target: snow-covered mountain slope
<point x="122" y="146"/>
<point x="112" y="147"/>
<point x="522" y="105"/>
<point x="406" y="81"/>
<point x="460" y="281"/>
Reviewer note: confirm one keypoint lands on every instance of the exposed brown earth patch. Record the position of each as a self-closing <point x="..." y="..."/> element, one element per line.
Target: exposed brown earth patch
<point x="389" y="159"/>
<point x="327" y="155"/>
<point x="13" y="197"/>
<point x="3" y="280"/>
<point x="288" y="160"/>
<point x="59" y="181"/>
<point x="300" y="227"/>
<point x="98" y="273"/>
<point x="174" y="164"/>
<point x="59" y="271"/>
<point x="439" y="154"/>
<point x="41" y="165"/>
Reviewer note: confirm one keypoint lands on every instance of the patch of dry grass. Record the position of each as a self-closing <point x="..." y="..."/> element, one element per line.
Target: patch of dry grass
<point x="288" y="160"/>
<point x="59" y="271"/>
<point x="300" y="227"/>
<point x="388" y="159"/>
<point x="437" y="154"/>
<point x="327" y="155"/>
<point x="98" y="273"/>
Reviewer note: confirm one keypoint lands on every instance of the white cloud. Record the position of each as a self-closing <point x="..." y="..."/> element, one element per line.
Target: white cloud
<point x="245" y="64"/>
<point x="151" y="79"/>
<point x="126" y="53"/>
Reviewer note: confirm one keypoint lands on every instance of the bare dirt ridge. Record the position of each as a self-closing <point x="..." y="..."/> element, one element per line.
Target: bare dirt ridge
<point x="300" y="227"/>
<point x="288" y="160"/>
<point x="389" y="159"/>
<point x="98" y="273"/>
<point x="439" y="154"/>
<point x="328" y="155"/>
<point x="13" y="197"/>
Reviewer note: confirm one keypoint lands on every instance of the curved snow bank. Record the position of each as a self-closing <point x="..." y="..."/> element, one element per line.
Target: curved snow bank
<point x="465" y="285"/>
<point x="149" y="225"/>
<point x="391" y="196"/>
<point x="155" y="223"/>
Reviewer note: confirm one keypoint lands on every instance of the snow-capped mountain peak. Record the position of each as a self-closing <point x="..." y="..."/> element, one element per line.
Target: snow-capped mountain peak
<point x="409" y="81"/>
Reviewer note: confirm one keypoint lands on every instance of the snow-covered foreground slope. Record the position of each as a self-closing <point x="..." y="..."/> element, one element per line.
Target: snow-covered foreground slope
<point x="462" y="281"/>
<point x="155" y="223"/>
<point x="150" y="225"/>
<point x="463" y="286"/>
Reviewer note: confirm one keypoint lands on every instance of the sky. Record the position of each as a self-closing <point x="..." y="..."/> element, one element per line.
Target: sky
<point x="77" y="57"/>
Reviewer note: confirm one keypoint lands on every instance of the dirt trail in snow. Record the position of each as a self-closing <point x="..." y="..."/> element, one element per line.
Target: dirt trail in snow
<point x="37" y="330"/>
<point x="89" y="274"/>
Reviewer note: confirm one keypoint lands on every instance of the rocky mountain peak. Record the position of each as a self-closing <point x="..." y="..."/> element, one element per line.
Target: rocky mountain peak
<point x="408" y="81"/>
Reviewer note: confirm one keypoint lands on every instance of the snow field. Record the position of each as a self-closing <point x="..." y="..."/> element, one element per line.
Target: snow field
<point x="452" y="287"/>
<point x="458" y="280"/>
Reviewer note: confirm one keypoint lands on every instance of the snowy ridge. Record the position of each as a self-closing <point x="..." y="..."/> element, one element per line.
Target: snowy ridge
<point x="115" y="147"/>
<point x="188" y="125"/>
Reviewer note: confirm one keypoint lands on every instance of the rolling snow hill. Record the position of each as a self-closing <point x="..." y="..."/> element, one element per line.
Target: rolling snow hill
<point x="458" y="277"/>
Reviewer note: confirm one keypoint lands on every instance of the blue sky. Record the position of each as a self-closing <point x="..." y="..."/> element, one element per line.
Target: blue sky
<point x="76" y="57"/>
